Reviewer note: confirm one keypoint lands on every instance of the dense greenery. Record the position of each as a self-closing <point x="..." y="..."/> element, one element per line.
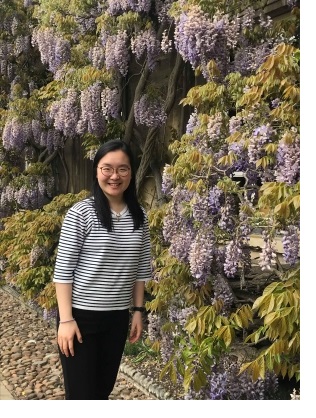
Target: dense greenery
<point x="92" y="70"/>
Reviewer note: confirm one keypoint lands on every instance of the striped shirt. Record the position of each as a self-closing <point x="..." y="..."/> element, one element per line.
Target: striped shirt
<point x="102" y="266"/>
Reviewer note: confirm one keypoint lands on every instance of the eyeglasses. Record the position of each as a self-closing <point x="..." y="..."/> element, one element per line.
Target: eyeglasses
<point x="108" y="171"/>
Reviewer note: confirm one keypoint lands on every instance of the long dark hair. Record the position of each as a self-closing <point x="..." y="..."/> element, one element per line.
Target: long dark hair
<point x="101" y="202"/>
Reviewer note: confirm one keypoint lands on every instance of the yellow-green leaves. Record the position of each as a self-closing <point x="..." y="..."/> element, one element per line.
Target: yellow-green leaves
<point x="279" y="308"/>
<point x="226" y="333"/>
<point x="208" y="94"/>
<point x="27" y="230"/>
<point x="281" y="198"/>
<point x="279" y="74"/>
<point x="129" y="21"/>
<point x="84" y="77"/>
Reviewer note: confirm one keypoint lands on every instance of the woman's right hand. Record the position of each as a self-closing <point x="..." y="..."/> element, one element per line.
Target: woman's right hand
<point x="65" y="337"/>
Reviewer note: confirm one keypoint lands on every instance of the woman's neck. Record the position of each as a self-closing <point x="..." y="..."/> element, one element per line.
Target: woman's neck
<point x="118" y="207"/>
<point x="116" y="203"/>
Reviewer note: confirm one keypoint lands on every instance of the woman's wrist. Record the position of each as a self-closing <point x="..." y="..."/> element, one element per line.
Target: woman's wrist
<point x="138" y="309"/>
<point x="65" y="322"/>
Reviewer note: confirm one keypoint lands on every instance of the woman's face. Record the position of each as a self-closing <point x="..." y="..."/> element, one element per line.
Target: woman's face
<point x="114" y="174"/>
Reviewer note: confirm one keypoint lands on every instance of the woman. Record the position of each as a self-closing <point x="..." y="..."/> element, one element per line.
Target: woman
<point x="102" y="264"/>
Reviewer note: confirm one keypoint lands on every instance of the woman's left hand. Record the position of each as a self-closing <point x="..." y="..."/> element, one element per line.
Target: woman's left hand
<point x="136" y="327"/>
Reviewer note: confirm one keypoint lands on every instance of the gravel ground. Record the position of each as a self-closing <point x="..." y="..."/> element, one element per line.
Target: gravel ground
<point x="30" y="366"/>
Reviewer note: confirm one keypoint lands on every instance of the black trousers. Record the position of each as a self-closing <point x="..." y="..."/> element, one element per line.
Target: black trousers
<point x="91" y="373"/>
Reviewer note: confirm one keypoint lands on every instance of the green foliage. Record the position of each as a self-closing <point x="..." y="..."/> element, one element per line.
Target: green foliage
<point x="28" y="243"/>
<point x="129" y="21"/>
<point x="279" y="310"/>
<point x="210" y="336"/>
<point x="132" y="349"/>
<point x="23" y="109"/>
<point x="282" y="200"/>
<point x="278" y="76"/>
<point x="208" y="96"/>
<point x="38" y="169"/>
<point x="62" y="14"/>
<point x="85" y="76"/>
<point x="139" y="351"/>
<point x="213" y="6"/>
<point x="192" y="363"/>
<point x="50" y="91"/>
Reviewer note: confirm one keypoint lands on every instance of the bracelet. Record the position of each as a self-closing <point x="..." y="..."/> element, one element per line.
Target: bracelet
<point x="69" y="320"/>
<point x="138" y="308"/>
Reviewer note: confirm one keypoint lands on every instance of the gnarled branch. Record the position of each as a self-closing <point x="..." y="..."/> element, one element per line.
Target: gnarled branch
<point x="150" y="143"/>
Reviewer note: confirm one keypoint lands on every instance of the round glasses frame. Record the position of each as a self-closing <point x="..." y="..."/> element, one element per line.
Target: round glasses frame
<point x="108" y="171"/>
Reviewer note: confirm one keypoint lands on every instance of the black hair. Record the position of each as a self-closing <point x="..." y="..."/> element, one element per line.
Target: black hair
<point x="101" y="202"/>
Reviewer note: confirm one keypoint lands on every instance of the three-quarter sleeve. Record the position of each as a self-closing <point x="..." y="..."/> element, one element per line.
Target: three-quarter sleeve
<point x="72" y="236"/>
<point x="144" y="271"/>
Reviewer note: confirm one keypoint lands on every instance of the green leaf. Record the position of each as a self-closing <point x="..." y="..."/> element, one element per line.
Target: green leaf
<point x="191" y="326"/>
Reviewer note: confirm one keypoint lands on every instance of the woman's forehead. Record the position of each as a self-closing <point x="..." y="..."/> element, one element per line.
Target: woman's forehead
<point x="115" y="157"/>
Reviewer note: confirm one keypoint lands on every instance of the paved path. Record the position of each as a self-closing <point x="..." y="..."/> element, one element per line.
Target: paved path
<point x="5" y="395"/>
<point x="29" y="364"/>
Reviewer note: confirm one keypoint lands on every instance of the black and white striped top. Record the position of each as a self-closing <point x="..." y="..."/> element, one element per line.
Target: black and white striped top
<point x="102" y="266"/>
